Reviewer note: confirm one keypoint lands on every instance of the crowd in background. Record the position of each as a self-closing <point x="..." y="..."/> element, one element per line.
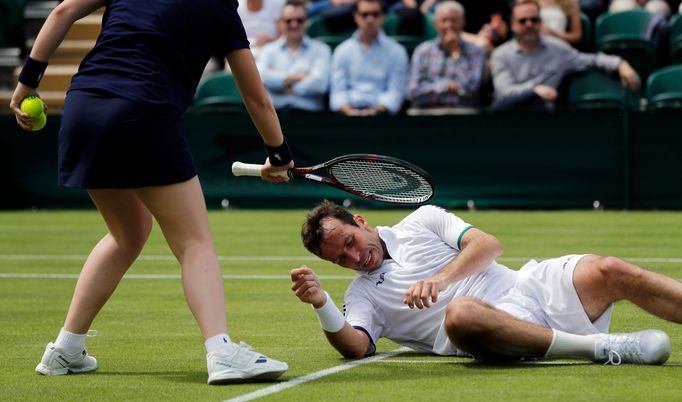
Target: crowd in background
<point x="496" y="54"/>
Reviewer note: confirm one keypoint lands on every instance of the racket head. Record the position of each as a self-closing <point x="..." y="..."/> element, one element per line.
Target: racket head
<point x="382" y="178"/>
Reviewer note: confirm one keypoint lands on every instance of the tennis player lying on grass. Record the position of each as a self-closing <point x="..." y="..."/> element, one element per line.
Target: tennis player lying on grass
<point x="431" y="283"/>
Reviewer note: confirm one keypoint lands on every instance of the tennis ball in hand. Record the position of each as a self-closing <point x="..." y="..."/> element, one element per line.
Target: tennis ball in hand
<point x="32" y="106"/>
<point x="39" y="122"/>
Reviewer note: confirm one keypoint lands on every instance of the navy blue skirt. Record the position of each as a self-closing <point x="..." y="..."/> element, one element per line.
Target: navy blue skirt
<point x="110" y="142"/>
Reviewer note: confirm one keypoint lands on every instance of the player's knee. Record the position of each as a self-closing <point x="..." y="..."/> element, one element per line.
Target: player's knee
<point x="135" y="237"/>
<point x="462" y="317"/>
<point x="617" y="274"/>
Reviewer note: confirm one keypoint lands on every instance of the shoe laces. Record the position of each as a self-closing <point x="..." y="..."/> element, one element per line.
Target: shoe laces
<point x="621" y="348"/>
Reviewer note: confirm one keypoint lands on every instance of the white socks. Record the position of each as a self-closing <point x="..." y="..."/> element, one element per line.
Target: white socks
<point x="69" y="342"/>
<point x="220" y="343"/>
<point x="570" y="345"/>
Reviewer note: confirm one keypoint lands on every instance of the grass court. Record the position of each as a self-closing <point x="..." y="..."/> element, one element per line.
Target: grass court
<point x="149" y="347"/>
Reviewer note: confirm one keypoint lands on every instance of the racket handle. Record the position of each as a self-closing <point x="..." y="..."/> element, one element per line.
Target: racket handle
<point x="251" y="169"/>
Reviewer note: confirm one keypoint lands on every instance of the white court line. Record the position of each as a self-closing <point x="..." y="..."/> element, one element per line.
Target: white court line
<point x="18" y="257"/>
<point x="314" y="376"/>
<point x="165" y="276"/>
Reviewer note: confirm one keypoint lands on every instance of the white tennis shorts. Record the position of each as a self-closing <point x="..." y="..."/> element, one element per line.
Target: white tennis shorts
<point x="544" y="295"/>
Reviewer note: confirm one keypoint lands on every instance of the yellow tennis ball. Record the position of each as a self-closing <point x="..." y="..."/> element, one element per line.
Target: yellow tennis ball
<point x="39" y="122"/>
<point x="32" y="106"/>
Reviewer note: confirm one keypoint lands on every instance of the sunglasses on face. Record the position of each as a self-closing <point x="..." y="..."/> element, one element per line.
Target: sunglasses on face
<point x="290" y="21"/>
<point x="375" y="14"/>
<point x="532" y="20"/>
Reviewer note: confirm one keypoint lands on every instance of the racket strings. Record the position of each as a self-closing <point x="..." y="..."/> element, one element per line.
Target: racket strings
<point x="383" y="180"/>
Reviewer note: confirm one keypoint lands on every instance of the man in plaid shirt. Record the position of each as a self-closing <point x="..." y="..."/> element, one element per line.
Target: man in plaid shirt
<point x="447" y="71"/>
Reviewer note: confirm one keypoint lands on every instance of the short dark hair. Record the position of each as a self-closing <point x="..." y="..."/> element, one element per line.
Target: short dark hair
<point x="312" y="231"/>
<point x="381" y="3"/>
<point x="523" y="2"/>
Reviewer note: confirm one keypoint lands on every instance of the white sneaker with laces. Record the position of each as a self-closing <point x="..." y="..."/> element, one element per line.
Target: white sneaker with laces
<point x="645" y="347"/>
<point x="241" y="366"/>
<point x="56" y="362"/>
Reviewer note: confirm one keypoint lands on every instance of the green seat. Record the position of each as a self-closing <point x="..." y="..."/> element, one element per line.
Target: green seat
<point x="664" y="88"/>
<point x="676" y="39"/>
<point x="218" y="94"/>
<point x="622" y="34"/>
<point x="332" y="40"/>
<point x="317" y="27"/>
<point x="585" y="44"/>
<point x="409" y="42"/>
<point x="11" y="14"/>
<point x="391" y="22"/>
<point x="595" y="90"/>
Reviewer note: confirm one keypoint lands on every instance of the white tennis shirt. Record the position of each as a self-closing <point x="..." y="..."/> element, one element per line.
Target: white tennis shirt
<point x="420" y="246"/>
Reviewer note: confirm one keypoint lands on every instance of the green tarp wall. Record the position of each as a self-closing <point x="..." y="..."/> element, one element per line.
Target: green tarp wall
<point x="519" y="160"/>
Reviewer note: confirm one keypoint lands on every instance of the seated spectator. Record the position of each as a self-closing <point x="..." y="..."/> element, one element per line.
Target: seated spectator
<point x="528" y="70"/>
<point x="260" y="21"/>
<point x="447" y="71"/>
<point x="561" y="18"/>
<point x="369" y="70"/>
<point x="295" y="68"/>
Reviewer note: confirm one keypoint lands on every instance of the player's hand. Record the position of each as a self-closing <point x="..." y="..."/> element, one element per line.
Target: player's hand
<point x="21" y="92"/>
<point x="306" y="285"/>
<point x="422" y="293"/>
<point x="267" y="172"/>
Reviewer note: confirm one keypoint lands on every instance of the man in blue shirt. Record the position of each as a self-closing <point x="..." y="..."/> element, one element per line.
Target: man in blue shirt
<point x="369" y="70"/>
<point x="295" y="68"/>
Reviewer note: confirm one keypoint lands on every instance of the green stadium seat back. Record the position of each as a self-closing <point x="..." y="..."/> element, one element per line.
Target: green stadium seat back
<point x="430" y="26"/>
<point x="586" y="44"/>
<point x="391" y="22"/>
<point x="218" y="94"/>
<point x="664" y="88"/>
<point x="596" y="90"/>
<point x="333" y="40"/>
<point x="622" y="34"/>
<point x="317" y="27"/>
<point x="11" y="14"/>
<point x="620" y="25"/>
<point x="409" y="42"/>
<point x="676" y="39"/>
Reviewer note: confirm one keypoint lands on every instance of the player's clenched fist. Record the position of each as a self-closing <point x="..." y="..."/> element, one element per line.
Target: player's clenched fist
<point x="306" y="285"/>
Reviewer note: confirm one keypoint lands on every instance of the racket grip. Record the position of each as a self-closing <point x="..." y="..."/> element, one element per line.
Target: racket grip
<point x="251" y="169"/>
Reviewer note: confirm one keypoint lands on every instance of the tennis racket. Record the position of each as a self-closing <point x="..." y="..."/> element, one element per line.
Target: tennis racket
<point x="373" y="177"/>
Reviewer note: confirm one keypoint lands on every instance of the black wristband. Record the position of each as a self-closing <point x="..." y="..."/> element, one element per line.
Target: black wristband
<point x="279" y="156"/>
<point x="32" y="72"/>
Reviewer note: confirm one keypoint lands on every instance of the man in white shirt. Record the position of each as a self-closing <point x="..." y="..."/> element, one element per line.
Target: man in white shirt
<point x="469" y="305"/>
<point x="295" y="68"/>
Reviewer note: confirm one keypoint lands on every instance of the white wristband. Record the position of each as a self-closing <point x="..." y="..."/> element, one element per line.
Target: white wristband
<point x="331" y="319"/>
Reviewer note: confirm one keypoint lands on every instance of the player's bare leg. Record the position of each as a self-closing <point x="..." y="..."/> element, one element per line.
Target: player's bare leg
<point x="600" y="281"/>
<point x="180" y="210"/>
<point x="492" y="334"/>
<point x="129" y="224"/>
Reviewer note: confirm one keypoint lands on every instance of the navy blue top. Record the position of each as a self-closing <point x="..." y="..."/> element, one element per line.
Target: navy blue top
<point x="154" y="52"/>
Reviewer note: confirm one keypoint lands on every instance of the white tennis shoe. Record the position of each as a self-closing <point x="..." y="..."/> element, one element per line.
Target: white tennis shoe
<point x="645" y="347"/>
<point x="56" y="362"/>
<point x="242" y="365"/>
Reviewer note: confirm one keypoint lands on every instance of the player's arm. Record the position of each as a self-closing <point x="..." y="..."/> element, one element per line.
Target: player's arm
<point x="261" y="110"/>
<point x="50" y="36"/>
<point x="350" y="342"/>
<point x="478" y="250"/>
